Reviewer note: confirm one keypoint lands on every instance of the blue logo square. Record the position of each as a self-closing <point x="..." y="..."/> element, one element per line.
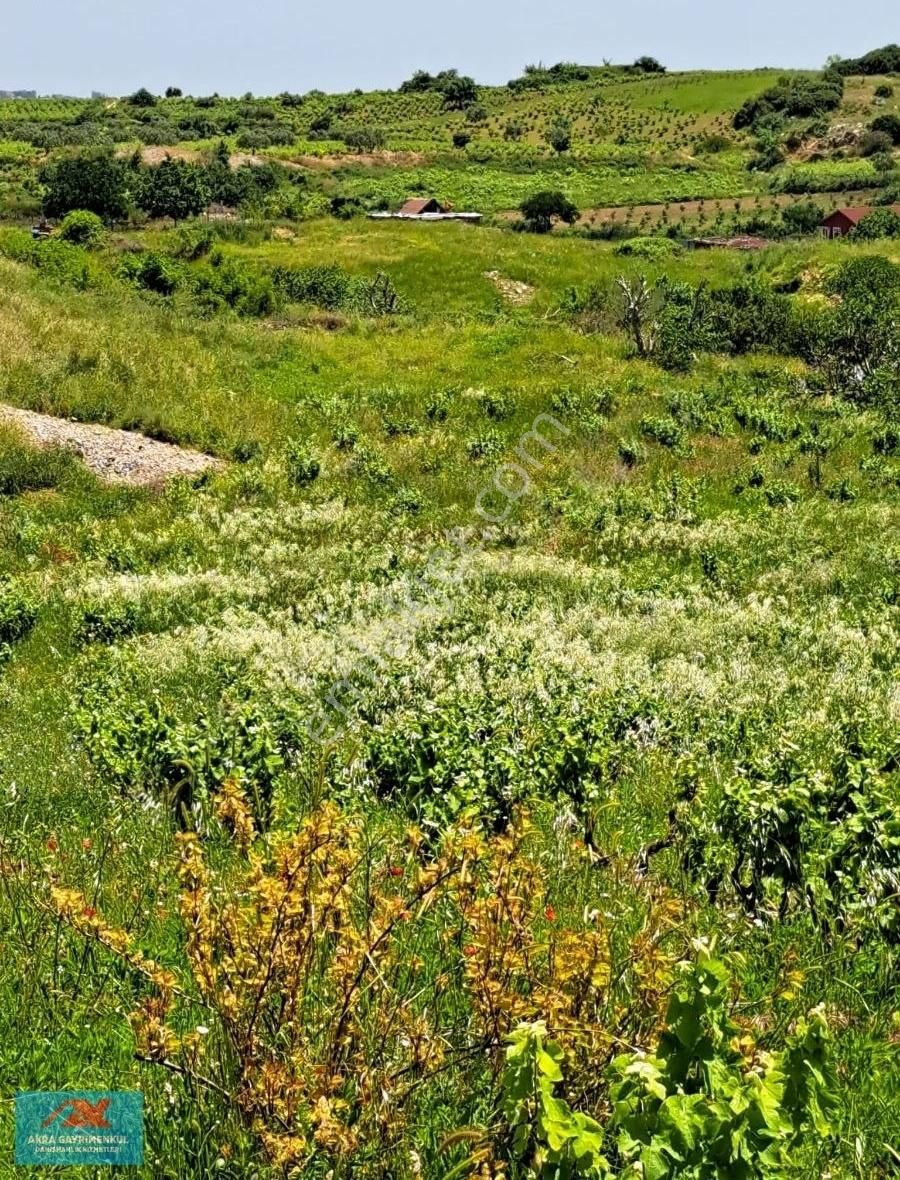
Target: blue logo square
<point x="79" y="1127"/>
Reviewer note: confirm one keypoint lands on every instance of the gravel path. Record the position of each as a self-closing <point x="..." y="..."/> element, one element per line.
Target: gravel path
<point x="116" y="456"/>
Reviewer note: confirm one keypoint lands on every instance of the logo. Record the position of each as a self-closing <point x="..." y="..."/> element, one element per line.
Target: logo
<point x="81" y="1113"/>
<point x="79" y="1127"/>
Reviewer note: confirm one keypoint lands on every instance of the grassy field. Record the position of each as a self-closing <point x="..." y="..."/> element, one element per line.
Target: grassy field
<point x="492" y="771"/>
<point x="672" y="596"/>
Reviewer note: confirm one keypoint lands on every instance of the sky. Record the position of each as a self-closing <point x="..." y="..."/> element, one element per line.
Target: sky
<point x="266" y="46"/>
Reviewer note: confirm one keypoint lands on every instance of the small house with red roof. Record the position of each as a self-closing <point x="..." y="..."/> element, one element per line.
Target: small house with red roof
<point x="839" y="223"/>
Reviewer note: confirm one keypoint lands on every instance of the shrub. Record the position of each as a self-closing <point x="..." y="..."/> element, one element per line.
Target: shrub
<point x="142" y="98"/>
<point x="18" y="614"/>
<point x="877" y="61"/>
<point x="82" y="228"/>
<point x="301" y="464"/>
<point x="174" y="189"/>
<point x="229" y="283"/>
<point x="152" y="272"/>
<point x="559" y="136"/>
<point x="794" y="97"/>
<point x="805" y="217"/>
<point x="874" y="143"/>
<point x="364" y="139"/>
<point x="889" y="125"/>
<point x="650" y="248"/>
<point x="880" y="223"/>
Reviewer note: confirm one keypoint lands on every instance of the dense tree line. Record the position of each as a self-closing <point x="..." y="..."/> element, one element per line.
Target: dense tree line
<point x="877" y="61"/>
<point x="111" y="187"/>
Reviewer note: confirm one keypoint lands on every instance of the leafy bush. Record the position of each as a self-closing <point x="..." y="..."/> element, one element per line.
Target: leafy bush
<point x="137" y="743"/>
<point x="780" y="831"/>
<point x="877" y="61"/>
<point x="653" y="249"/>
<point x="173" y="189"/>
<point x="804" y="217"/>
<point x="795" y="97"/>
<point x="302" y="465"/>
<point x="82" y="228"/>
<point x="880" y="223"/>
<point x="700" y="1106"/>
<point x="18" y="614"/>
<point x="152" y="272"/>
<point x="229" y="283"/>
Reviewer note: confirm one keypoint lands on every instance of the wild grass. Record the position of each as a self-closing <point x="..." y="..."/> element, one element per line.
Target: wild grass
<point x="677" y="597"/>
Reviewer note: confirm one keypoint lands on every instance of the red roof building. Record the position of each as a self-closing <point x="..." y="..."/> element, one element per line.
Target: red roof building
<point x="842" y="221"/>
<point x="416" y="206"/>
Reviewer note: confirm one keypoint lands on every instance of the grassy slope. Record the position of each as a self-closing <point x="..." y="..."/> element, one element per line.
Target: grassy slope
<point x="796" y="615"/>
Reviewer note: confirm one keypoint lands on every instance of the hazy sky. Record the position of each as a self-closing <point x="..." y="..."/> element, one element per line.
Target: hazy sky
<point x="265" y="46"/>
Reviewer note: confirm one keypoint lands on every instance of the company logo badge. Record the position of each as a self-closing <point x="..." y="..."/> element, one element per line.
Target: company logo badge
<point x="79" y="1127"/>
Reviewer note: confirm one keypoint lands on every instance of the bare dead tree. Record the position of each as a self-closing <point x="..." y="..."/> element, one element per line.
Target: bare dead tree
<point x="637" y="314"/>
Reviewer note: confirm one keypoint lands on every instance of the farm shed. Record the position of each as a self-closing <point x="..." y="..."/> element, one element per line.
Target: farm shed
<point x="842" y="221"/>
<point x="416" y="206"/>
<point x="425" y="209"/>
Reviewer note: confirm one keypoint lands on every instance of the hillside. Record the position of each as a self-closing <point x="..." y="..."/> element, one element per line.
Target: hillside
<point x="486" y="767"/>
<point x="630" y="138"/>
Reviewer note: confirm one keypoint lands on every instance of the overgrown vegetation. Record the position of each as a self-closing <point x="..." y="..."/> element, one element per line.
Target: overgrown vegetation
<point x="492" y="771"/>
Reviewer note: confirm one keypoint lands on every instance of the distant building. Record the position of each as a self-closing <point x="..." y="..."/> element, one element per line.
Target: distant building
<point x="425" y="209"/>
<point x="839" y="223"/>
<point x="416" y="206"/>
<point x="18" y="94"/>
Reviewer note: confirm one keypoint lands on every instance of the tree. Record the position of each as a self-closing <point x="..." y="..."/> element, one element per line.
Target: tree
<point x="649" y="65"/>
<point x="418" y="83"/>
<point x="364" y="139"/>
<point x="173" y="92"/>
<point x="541" y="208"/>
<point x="888" y="125"/>
<point x="142" y="98"/>
<point x="803" y="218"/>
<point x="560" y="136"/>
<point x="174" y="189"/>
<point x="459" y="91"/>
<point x="862" y="350"/>
<point x="875" y="143"/>
<point x="98" y="183"/>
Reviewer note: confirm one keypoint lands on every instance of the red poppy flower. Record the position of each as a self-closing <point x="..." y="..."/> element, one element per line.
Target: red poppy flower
<point x="396" y="870"/>
<point x="550" y="913"/>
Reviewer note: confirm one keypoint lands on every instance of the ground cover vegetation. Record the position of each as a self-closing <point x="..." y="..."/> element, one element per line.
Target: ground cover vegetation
<point x="492" y="770"/>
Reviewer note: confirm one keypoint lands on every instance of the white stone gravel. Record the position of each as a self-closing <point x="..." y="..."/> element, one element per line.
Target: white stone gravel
<point x="116" y="456"/>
